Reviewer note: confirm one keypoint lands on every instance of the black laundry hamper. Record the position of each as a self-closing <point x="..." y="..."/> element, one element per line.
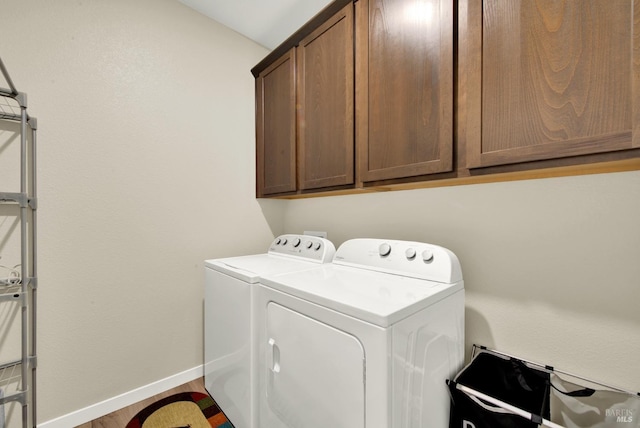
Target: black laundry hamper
<point x="495" y="391"/>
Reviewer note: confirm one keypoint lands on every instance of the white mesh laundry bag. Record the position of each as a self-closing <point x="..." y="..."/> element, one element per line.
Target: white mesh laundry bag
<point x="577" y="406"/>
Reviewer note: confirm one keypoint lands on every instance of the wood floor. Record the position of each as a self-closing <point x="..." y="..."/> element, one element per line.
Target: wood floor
<point x="120" y="418"/>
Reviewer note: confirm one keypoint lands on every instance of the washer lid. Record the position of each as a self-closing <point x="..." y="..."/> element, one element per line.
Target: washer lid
<point x="286" y="253"/>
<point x="252" y="268"/>
<point x="376" y="297"/>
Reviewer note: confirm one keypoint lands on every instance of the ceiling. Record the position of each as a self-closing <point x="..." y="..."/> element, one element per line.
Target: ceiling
<point x="267" y="22"/>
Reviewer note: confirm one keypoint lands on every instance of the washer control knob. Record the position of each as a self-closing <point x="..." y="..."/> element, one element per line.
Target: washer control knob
<point x="278" y="241"/>
<point x="410" y="253"/>
<point x="309" y="244"/>
<point x="284" y="241"/>
<point x="317" y="246"/>
<point x="427" y="255"/>
<point x="296" y="242"/>
<point x="384" y="249"/>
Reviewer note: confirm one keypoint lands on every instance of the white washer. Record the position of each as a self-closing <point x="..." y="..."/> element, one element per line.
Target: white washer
<point x="229" y="365"/>
<point x="367" y="341"/>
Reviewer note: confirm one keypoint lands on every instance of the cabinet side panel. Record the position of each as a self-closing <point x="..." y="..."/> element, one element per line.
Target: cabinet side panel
<point x="259" y="138"/>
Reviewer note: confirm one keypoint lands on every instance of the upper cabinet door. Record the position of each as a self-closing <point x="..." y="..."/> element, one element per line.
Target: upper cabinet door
<point x="276" y="127"/>
<point x="542" y="79"/>
<point x="404" y="93"/>
<point x="325" y="104"/>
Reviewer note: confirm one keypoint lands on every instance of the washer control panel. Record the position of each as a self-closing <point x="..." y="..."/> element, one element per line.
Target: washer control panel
<point x="406" y="258"/>
<point x="311" y="248"/>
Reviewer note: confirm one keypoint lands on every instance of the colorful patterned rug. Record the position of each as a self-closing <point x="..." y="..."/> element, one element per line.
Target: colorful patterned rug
<point x="184" y="410"/>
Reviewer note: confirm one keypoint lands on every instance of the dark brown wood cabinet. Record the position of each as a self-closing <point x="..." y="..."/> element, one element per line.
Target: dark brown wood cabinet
<point x="325" y="104"/>
<point x="548" y="79"/>
<point x="379" y="94"/>
<point x="404" y="80"/>
<point x="305" y="111"/>
<point x="276" y="127"/>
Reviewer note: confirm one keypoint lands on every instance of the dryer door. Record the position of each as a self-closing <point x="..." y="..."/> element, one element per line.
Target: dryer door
<point x="315" y="372"/>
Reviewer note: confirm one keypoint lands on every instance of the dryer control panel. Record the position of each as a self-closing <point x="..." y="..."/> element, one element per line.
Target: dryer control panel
<point x="308" y="247"/>
<point x="406" y="258"/>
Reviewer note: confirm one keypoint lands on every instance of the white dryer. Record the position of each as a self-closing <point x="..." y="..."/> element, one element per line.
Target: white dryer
<point x="229" y="364"/>
<point x="365" y="342"/>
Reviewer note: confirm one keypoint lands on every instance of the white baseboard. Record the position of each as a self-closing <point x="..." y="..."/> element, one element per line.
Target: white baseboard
<point x="105" y="407"/>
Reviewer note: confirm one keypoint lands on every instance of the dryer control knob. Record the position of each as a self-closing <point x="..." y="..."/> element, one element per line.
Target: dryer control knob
<point x="278" y="241"/>
<point x="296" y="242"/>
<point x="317" y="246"/>
<point x="410" y="253"/>
<point x="309" y="244"/>
<point x="284" y="241"/>
<point x="427" y="255"/>
<point x="384" y="249"/>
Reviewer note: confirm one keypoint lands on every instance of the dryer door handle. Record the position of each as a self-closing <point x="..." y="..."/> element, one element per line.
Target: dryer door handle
<point x="273" y="356"/>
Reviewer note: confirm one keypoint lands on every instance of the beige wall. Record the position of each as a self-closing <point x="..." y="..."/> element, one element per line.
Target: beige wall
<point x="551" y="266"/>
<point x="146" y="135"/>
